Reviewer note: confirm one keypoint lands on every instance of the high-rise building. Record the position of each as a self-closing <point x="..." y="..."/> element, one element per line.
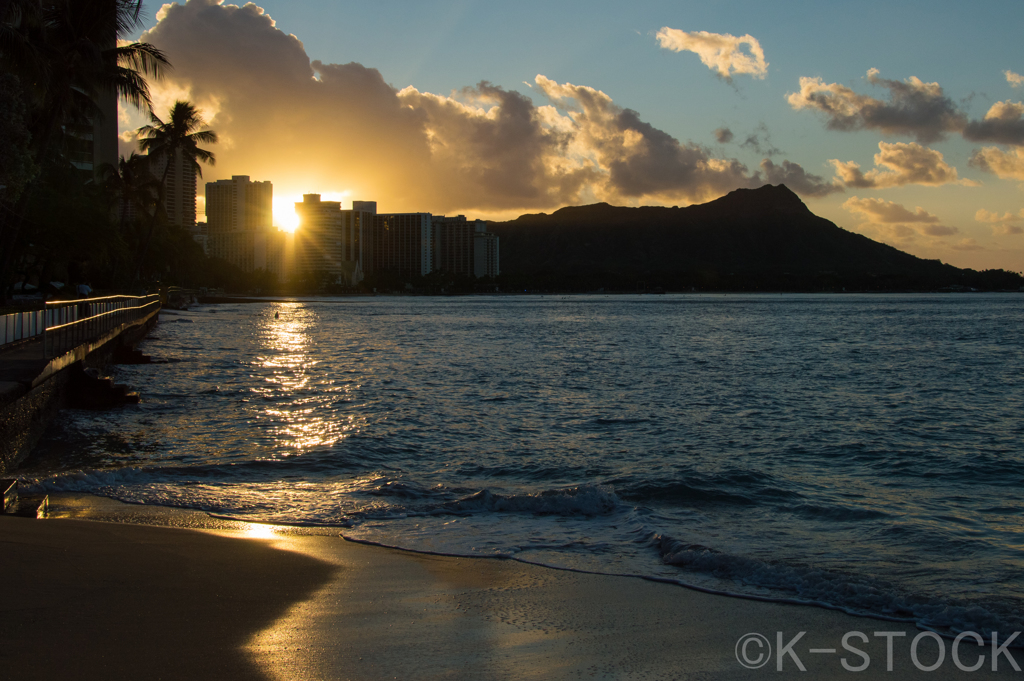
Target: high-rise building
<point x="239" y="223"/>
<point x="452" y="248"/>
<point x="331" y="243"/>
<point x="179" y="188"/>
<point x="402" y="244"/>
<point x="485" y="252"/>
<point x="239" y="204"/>
<point x="464" y="247"/>
<point x="339" y="246"/>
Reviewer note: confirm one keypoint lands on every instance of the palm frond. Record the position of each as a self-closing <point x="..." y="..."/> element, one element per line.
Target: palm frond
<point x="142" y="57"/>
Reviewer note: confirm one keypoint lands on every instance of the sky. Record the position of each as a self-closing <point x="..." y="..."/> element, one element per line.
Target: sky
<point x="902" y="121"/>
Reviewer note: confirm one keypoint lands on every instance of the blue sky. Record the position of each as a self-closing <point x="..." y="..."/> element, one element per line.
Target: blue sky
<point x="441" y="47"/>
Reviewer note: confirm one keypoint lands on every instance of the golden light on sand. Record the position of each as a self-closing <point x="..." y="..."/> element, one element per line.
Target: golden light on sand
<point x="260" y="531"/>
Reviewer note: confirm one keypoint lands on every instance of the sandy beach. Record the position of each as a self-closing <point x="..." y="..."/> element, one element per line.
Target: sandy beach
<point x="93" y="599"/>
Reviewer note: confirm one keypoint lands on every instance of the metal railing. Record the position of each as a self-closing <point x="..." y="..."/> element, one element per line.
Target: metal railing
<point x="70" y="323"/>
<point x="21" y="325"/>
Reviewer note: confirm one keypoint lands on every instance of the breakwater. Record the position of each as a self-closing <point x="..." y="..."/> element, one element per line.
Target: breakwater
<point x="40" y="375"/>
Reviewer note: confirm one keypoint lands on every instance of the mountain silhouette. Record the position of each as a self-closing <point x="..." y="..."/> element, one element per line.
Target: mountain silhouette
<point x="749" y="239"/>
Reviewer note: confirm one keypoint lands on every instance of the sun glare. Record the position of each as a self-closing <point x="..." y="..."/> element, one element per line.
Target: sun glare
<point x="285" y="217"/>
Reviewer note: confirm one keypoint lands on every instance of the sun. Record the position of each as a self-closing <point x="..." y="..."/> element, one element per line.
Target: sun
<point x="285" y="217"/>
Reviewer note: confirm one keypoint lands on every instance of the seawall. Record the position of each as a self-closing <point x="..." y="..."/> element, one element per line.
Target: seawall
<point x="33" y="389"/>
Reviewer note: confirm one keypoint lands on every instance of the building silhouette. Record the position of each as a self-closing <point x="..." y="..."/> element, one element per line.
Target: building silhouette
<point x="463" y="247"/>
<point x="332" y="244"/>
<point x="343" y="246"/>
<point x="179" y="188"/>
<point x="240" y="224"/>
<point x="486" y="260"/>
<point x="402" y="244"/>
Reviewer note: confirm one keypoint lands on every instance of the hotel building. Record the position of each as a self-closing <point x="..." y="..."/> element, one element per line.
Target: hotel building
<point x="402" y="244"/>
<point x="240" y="224"/>
<point x="179" y="189"/>
<point x="343" y="246"/>
<point x="332" y="242"/>
<point x="460" y="246"/>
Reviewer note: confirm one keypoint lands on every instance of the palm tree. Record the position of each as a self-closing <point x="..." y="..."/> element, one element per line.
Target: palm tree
<point x="178" y="138"/>
<point x="132" y="191"/>
<point x="66" y="57"/>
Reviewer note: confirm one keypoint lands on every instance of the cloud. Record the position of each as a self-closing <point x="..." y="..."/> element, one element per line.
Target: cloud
<point x="914" y="108"/>
<point x="897" y="165"/>
<point x="640" y="160"/>
<point x="894" y="221"/>
<point x="723" y="135"/>
<point x="761" y="142"/>
<point x="797" y="179"/>
<point x="494" y="143"/>
<point x="310" y="126"/>
<point x="1002" y="225"/>
<point x="722" y="53"/>
<point x="881" y="211"/>
<point x="967" y="245"/>
<point x="1014" y="79"/>
<point x="1007" y="165"/>
<point x="1003" y="124"/>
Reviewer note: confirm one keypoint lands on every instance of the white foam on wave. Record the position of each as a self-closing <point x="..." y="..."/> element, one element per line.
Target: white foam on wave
<point x="92" y="481"/>
<point x="589" y="500"/>
<point x="855" y="595"/>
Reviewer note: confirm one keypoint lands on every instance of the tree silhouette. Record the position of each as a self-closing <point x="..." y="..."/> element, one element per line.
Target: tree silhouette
<point x="66" y="58"/>
<point x="165" y="142"/>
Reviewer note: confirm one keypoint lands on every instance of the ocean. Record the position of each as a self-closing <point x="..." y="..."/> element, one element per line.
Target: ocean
<point x="859" y="452"/>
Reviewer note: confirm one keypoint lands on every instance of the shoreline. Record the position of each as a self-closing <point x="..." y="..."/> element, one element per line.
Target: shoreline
<point x="315" y="297"/>
<point x="129" y="590"/>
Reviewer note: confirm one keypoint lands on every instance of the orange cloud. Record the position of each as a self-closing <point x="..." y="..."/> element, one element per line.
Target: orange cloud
<point x="893" y="221"/>
<point x="1007" y="165"/>
<point x="1002" y="225"/>
<point x="903" y="163"/>
<point x="722" y="53"/>
<point x="967" y="245"/>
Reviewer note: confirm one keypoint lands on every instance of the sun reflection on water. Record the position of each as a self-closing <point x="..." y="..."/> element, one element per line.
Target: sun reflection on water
<point x="299" y="415"/>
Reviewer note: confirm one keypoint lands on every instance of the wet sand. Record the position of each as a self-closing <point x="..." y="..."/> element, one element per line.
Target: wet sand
<point x="104" y="600"/>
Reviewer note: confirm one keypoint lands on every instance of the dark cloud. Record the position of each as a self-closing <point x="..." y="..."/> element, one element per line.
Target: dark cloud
<point x="914" y="108"/>
<point x="1003" y="124"/>
<point x="796" y="178"/>
<point x="761" y="142"/>
<point x="495" y="144"/>
<point x="723" y="135"/>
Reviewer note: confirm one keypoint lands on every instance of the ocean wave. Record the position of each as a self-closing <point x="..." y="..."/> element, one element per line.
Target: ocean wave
<point x="588" y="500"/>
<point x="855" y="595"/>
